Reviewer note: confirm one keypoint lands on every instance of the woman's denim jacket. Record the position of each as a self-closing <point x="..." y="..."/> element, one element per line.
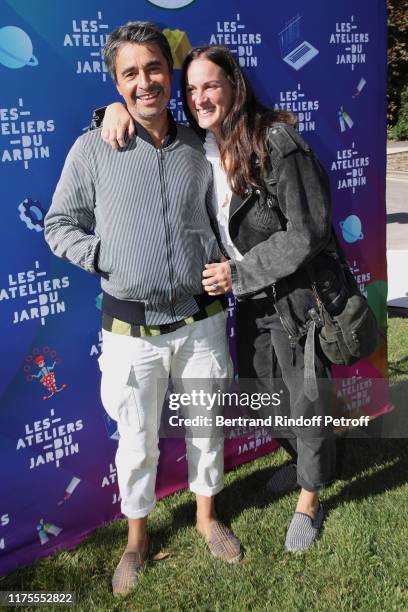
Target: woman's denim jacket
<point x="285" y="233"/>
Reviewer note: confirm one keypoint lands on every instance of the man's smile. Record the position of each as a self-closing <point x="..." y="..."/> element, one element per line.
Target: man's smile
<point x="153" y="95"/>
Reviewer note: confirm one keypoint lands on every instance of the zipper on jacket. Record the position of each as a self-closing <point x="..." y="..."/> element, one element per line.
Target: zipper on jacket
<point x="317" y="296"/>
<point x="286" y="326"/>
<point x="244" y="201"/>
<point x="167" y="230"/>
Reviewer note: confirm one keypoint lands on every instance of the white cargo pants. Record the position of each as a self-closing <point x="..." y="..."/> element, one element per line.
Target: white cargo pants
<point x="131" y="396"/>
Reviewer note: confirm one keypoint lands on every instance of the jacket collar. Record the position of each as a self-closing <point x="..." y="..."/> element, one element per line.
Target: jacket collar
<point x="235" y="204"/>
<point x="238" y="202"/>
<point x="170" y="136"/>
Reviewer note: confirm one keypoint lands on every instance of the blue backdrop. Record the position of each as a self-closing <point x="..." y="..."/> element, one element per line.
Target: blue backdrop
<point x="324" y="61"/>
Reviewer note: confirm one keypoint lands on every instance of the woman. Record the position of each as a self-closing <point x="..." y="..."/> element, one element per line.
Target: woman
<point x="273" y="211"/>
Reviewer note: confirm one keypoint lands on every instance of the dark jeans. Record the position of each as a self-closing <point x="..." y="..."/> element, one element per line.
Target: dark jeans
<point x="264" y="353"/>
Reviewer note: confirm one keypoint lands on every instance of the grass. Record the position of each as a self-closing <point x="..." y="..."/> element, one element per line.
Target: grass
<point x="360" y="562"/>
<point x="398" y="348"/>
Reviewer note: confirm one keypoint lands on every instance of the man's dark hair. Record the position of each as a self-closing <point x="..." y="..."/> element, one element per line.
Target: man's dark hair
<point x="138" y="33"/>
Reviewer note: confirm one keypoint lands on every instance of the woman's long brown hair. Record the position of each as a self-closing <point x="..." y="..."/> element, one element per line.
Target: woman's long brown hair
<point x="243" y="129"/>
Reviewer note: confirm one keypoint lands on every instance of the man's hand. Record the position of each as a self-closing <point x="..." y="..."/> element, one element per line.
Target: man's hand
<point x="217" y="278"/>
<point x="116" y="124"/>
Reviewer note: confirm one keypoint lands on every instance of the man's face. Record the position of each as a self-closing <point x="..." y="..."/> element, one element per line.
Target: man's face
<point x="143" y="79"/>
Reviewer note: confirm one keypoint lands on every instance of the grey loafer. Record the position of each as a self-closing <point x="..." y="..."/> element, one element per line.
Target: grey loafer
<point x="223" y="544"/>
<point x="303" y="530"/>
<point x="128" y="571"/>
<point x="283" y="480"/>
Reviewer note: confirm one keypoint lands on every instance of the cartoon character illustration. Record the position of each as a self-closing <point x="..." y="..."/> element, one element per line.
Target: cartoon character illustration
<point x="44" y="529"/>
<point x="47" y="377"/>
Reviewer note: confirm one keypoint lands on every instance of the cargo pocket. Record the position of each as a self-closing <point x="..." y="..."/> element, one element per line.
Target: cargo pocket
<point x="119" y="392"/>
<point x="331" y="343"/>
<point x="221" y="365"/>
<point x="221" y="362"/>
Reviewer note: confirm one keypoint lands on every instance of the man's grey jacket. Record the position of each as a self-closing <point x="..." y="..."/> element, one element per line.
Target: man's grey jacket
<point x="140" y="218"/>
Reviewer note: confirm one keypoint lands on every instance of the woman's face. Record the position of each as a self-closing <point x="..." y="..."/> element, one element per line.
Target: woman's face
<point x="209" y="94"/>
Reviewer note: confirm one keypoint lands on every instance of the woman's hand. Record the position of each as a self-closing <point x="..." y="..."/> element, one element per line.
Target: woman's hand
<point x="217" y="278"/>
<point x="117" y="123"/>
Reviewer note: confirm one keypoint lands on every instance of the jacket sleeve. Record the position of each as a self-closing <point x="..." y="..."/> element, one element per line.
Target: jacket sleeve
<point x="304" y="198"/>
<point x="97" y="118"/>
<point x="212" y="215"/>
<point x="70" y="219"/>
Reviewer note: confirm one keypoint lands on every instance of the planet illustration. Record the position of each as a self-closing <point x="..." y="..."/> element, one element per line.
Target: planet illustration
<point x="351" y="229"/>
<point x="16" y="48"/>
<point x="171" y="4"/>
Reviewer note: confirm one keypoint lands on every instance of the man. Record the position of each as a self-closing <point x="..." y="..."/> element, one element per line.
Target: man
<point x="148" y="207"/>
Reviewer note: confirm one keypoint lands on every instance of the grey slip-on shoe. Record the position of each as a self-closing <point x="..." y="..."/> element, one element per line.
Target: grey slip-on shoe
<point x="283" y="480"/>
<point x="303" y="530"/>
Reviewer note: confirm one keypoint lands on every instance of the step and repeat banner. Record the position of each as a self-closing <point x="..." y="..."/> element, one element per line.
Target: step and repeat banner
<point x="324" y="61"/>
